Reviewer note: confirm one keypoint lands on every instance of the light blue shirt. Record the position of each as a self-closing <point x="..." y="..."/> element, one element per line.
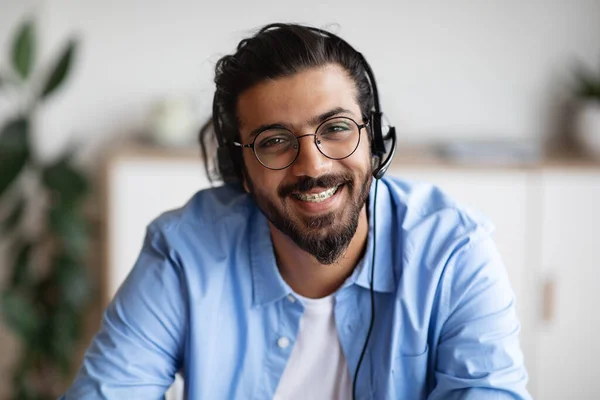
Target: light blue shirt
<point x="206" y="298"/>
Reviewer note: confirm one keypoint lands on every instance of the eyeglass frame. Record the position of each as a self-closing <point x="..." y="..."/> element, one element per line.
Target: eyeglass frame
<point x="251" y="145"/>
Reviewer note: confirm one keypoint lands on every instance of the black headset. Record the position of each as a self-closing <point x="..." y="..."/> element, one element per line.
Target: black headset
<point x="376" y="122"/>
<point x="229" y="160"/>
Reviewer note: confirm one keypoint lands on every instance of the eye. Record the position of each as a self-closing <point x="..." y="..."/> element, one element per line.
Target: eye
<point x="335" y="128"/>
<point x="274" y="142"/>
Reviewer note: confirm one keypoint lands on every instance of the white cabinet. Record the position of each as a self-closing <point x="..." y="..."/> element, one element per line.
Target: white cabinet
<point x="568" y="348"/>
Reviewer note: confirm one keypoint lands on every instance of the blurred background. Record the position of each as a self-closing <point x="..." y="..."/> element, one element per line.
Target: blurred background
<point x="498" y="102"/>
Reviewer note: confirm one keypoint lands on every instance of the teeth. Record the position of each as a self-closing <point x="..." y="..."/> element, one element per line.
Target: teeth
<point x="317" y="197"/>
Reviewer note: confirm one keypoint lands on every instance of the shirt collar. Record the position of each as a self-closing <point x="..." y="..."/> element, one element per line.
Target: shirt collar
<point x="269" y="286"/>
<point x="387" y="243"/>
<point x="267" y="283"/>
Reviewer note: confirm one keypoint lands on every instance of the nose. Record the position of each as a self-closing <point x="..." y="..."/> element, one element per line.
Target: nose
<point x="310" y="161"/>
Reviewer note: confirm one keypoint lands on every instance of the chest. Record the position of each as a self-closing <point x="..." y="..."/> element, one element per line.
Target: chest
<point x="250" y="347"/>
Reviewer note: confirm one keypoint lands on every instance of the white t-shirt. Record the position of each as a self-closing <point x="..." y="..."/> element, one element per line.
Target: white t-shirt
<point x="317" y="367"/>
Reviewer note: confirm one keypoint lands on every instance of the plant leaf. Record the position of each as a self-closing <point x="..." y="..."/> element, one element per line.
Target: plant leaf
<point x="23" y="387"/>
<point x="72" y="281"/>
<point x="20" y="314"/>
<point x="64" y="328"/>
<point x="65" y="181"/>
<point x="60" y="70"/>
<point x="587" y="84"/>
<point x="23" y="50"/>
<point x="71" y="227"/>
<point x="13" y="218"/>
<point x="22" y="273"/>
<point x="14" y="151"/>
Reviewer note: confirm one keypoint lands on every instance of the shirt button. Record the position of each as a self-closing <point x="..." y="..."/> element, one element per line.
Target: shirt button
<point x="291" y="298"/>
<point x="283" y="342"/>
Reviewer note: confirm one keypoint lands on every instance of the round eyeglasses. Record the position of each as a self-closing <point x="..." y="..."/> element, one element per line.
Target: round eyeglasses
<point x="277" y="148"/>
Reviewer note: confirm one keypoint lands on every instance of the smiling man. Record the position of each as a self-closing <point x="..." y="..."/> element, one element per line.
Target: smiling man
<point x="307" y="276"/>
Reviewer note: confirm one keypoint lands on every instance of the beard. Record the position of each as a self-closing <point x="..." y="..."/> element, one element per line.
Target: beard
<point x="326" y="237"/>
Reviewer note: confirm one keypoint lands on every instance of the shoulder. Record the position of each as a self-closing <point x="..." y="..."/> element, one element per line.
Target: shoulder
<point x="447" y="250"/>
<point x="434" y="226"/>
<point x="207" y="206"/>
<point x="205" y="217"/>
<point x="417" y="202"/>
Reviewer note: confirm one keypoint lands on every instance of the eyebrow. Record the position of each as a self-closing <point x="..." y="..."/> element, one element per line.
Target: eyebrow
<point x="313" y="121"/>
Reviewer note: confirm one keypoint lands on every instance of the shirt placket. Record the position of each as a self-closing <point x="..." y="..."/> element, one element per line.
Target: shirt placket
<point x="352" y="322"/>
<point x="281" y="333"/>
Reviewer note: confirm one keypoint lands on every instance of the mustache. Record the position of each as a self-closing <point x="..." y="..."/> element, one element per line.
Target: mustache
<point x="307" y="183"/>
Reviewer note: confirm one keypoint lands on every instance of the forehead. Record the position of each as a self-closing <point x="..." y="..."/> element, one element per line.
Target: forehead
<point x="296" y="99"/>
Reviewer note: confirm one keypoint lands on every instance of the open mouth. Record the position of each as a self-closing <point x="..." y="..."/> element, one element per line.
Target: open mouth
<point x="317" y="197"/>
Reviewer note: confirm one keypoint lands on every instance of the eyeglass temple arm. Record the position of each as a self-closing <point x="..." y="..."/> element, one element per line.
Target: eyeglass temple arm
<point x="237" y="144"/>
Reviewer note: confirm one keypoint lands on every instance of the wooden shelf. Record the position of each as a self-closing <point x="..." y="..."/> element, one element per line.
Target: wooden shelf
<point x="410" y="156"/>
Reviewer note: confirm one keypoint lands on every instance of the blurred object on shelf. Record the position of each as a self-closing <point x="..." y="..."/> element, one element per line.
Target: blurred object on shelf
<point x="173" y="122"/>
<point x="504" y="152"/>
<point x="588" y="127"/>
<point x="587" y="120"/>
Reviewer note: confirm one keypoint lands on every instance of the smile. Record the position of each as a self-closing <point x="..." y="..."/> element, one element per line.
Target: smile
<point x="317" y="197"/>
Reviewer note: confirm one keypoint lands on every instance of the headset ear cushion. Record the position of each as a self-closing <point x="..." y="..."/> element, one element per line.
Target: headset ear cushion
<point x="377" y="144"/>
<point x="384" y="163"/>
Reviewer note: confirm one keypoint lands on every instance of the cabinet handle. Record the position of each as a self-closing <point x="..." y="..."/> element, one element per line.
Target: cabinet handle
<point x="548" y="299"/>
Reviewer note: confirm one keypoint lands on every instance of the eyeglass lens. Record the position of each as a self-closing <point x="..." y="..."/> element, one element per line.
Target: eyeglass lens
<point x="335" y="138"/>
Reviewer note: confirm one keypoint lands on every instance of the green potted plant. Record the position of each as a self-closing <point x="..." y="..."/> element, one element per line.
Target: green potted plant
<point x="44" y="226"/>
<point x="587" y="121"/>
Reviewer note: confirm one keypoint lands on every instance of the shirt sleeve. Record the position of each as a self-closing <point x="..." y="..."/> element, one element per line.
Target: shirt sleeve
<point x="139" y="347"/>
<point x="479" y="356"/>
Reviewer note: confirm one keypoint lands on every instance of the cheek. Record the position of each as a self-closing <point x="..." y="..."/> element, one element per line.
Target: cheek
<point x="264" y="180"/>
<point x="247" y="171"/>
<point x="361" y="159"/>
<point x="254" y="170"/>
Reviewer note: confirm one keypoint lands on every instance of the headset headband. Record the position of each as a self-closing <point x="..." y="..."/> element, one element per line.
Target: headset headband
<point x="224" y="152"/>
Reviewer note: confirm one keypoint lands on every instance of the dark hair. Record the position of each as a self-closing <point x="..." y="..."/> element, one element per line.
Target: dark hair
<point x="277" y="50"/>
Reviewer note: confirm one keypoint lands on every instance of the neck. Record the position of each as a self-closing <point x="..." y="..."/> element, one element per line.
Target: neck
<point x="305" y="274"/>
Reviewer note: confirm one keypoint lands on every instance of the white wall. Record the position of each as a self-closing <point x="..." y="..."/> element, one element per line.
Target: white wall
<point x="445" y="68"/>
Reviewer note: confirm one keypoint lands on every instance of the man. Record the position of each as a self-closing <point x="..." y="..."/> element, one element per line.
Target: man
<point x="305" y="278"/>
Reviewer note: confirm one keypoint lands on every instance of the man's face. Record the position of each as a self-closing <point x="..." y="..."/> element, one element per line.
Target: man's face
<point x="325" y="227"/>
